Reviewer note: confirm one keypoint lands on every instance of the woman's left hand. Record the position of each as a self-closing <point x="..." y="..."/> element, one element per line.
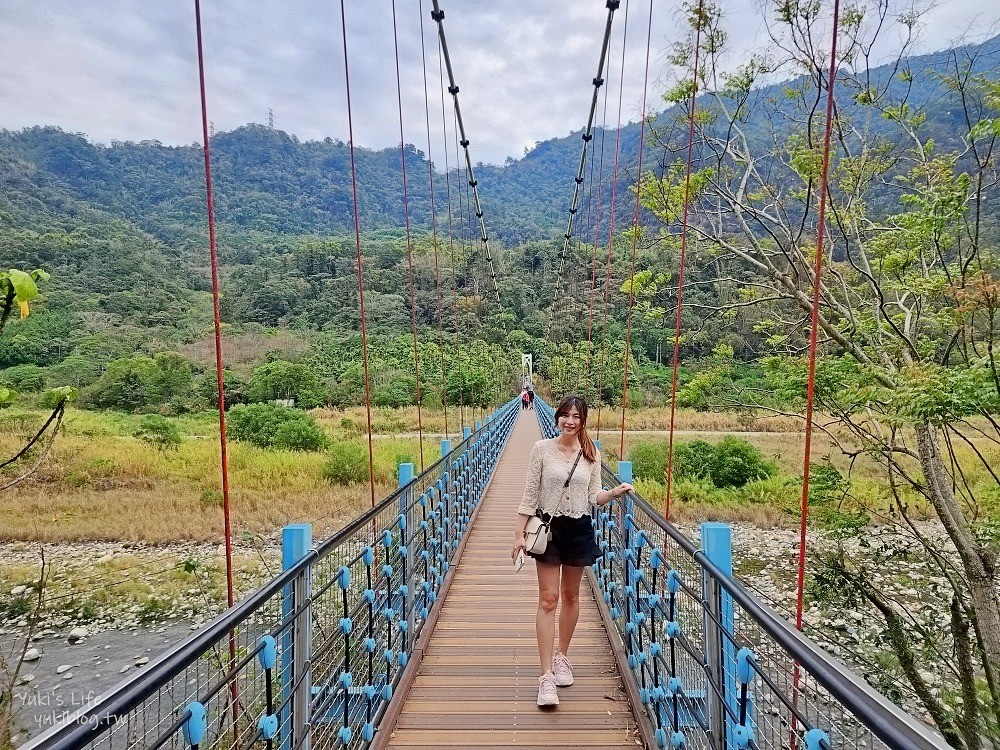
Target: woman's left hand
<point x="622" y="489"/>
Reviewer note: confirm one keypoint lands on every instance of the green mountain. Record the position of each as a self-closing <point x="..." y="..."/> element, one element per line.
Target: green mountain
<point x="122" y="227"/>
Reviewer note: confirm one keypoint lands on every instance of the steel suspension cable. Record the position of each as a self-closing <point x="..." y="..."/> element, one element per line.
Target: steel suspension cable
<point x="451" y="246"/>
<point x="438" y="15"/>
<point x="434" y="235"/>
<point x="585" y="373"/>
<point x="635" y="232"/>
<point x="465" y="247"/>
<point x="357" y="245"/>
<point x="597" y="232"/>
<point x="682" y="262"/>
<point x="588" y="136"/>
<point x="611" y="225"/>
<point x="409" y="242"/>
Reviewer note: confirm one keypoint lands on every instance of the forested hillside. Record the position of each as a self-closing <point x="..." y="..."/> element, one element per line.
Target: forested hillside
<point x="121" y="228"/>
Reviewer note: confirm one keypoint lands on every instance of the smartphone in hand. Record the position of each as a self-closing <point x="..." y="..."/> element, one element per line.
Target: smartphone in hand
<point x="519" y="562"/>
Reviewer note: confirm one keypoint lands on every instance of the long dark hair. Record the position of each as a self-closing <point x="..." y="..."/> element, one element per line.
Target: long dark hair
<point x="578" y="402"/>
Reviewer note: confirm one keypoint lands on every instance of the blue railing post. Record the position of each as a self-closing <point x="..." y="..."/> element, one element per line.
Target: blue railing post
<point x="405" y="477"/>
<point x="445" y="448"/>
<point x="625" y="474"/>
<point x="466" y="432"/>
<point x="717" y="544"/>
<point x="479" y="425"/>
<point x="296" y="541"/>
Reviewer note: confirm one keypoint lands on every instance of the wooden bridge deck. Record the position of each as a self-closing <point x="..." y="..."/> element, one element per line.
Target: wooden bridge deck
<point x="477" y="681"/>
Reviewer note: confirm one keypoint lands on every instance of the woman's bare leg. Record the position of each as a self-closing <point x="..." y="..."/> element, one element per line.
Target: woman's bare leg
<point x="569" y="613"/>
<point x="545" y="619"/>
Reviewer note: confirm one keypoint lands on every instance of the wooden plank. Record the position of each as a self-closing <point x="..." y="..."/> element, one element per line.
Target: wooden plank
<point x="514" y="738"/>
<point x="477" y="680"/>
<point x="566" y="707"/>
<point x="527" y="717"/>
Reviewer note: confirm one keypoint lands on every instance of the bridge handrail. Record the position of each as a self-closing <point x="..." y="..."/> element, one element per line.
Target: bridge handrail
<point x="99" y="718"/>
<point x="724" y="605"/>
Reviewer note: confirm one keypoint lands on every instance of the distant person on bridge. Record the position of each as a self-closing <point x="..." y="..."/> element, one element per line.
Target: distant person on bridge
<point x="531" y="398"/>
<point x="525" y="399"/>
<point x="564" y="480"/>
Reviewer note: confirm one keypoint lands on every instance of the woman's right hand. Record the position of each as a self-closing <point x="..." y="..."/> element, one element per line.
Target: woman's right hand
<point x="519" y="546"/>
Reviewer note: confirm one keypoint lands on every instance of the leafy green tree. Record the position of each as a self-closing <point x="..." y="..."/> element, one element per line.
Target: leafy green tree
<point x="907" y="312"/>
<point x="286" y="380"/>
<point x="172" y="377"/>
<point x="126" y="384"/>
<point x="76" y="370"/>
<point x="29" y="378"/>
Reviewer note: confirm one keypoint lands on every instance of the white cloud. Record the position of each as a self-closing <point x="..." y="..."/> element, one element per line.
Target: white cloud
<point x="126" y="69"/>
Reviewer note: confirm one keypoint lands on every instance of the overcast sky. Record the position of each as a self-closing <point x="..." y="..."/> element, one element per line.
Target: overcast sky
<point x="127" y="69"/>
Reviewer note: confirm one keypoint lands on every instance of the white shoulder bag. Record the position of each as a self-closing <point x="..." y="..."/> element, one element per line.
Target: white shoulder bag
<point x="536" y="531"/>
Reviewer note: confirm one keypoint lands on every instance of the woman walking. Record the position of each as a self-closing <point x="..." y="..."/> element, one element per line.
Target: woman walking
<point x="564" y="480"/>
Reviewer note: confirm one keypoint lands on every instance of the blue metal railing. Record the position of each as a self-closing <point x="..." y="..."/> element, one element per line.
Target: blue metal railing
<point x="712" y="666"/>
<point x="313" y="656"/>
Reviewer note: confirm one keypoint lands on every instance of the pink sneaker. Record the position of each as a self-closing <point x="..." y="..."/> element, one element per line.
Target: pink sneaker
<point x="547" y="694"/>
<point x="562" y="670"/>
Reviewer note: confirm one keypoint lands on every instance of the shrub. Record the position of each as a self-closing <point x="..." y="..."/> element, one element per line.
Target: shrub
<point x="301" y="434"/>
<point x="736" y="462"/>
<point x="26" y="378"/>
<point x="347" y="463"/>
<point x="171" y="377"/>
<point x="158" y="431"/>
<point x="693" y="459"/>
<point x="270" y="426"/>
<point x="649" y="460"/>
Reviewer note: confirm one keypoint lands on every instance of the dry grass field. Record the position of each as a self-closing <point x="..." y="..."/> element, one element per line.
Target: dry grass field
<point x="100" y="483"/>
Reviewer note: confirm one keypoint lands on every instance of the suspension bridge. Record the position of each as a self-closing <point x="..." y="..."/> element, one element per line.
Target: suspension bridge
<point x="408" y="628"/>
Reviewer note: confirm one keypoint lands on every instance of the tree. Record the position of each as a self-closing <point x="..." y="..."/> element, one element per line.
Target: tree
<point x="286" y="380"/>
<point x="909" y="302"/>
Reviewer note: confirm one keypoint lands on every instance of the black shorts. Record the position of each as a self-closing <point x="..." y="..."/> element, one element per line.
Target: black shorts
<point x="572" y="543"/>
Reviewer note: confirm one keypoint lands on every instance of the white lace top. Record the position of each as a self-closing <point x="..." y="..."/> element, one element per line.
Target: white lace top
<point x="548" y="468"/>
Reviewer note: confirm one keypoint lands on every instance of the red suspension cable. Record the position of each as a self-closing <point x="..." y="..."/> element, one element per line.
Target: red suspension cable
<point x="813" y="346"/>
<point x="357" y="244"/>
<point x="635" y="232"/>
<point x="220" y="379"/>
<point x="214" y="255"/>
<point x="682" y="263"/>
<point x="814" y="326"/>
<point x="434" y="236"/>
<point x="611" y="226"/>
<point x="409" y="243"/>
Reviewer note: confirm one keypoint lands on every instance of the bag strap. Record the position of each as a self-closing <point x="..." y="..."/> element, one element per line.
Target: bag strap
<point x="572" y="470"/>
<point x="565" y="485"/>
